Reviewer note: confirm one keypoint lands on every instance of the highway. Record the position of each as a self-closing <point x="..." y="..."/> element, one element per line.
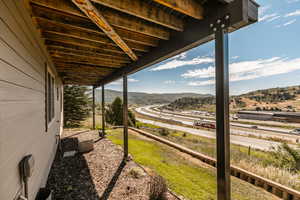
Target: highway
<point x="237" y="124"/>
<point x="236" y="129"/>
<point x="237" y="134"/>
<point x="240" y="140"/>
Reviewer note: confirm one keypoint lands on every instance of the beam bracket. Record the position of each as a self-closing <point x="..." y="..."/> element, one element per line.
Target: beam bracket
<point x="220" y="24"/>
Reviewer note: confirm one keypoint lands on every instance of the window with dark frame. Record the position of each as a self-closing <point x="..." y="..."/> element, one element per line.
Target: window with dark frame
<point x="50" y="97"/>
<point x="57" y="92"/>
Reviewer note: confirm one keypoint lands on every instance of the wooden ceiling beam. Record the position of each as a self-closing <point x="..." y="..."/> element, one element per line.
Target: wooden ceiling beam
<point x="83" y="66"/>
<point x="94" y="59"/>
<point x="75" y="36"/>
<point x="92" y="31"/>
<point x="73" y="79"/>
<point x="89" y="70"/>
<point x="242" y="13"/>
<point x="71" y="74"/>
<point x="89" y="49"/>
<point x="97" y="17"/>
<point x="191" y="8"/>
<point x="94" y="75"/>
<point x="146" y="11"/>
<point x="71" y="82"/>
<point x="74" y="59"/>
<point x="59" y="9"/>
<point x="77" y="42"/>
<point x="92" y="55"/>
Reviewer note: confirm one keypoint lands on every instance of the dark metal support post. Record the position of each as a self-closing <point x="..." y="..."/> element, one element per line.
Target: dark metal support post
<point x="93" y="109"/>
<point x="125" y="116"/>
<point x="103" y="112"/>
<point x="222" y="114"/>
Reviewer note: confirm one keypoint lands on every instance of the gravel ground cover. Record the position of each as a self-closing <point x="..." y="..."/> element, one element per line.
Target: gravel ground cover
<point x="99" y="174"/>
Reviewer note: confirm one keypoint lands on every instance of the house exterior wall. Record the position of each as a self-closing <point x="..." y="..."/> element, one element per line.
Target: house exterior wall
<point x="22" y="101"/>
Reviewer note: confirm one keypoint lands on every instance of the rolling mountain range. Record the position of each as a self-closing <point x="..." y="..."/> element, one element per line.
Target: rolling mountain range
<point x="273" y="99"/>
<point x="140" y="98"/>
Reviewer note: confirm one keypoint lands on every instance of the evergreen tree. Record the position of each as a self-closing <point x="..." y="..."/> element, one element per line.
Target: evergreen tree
<point x="114" y="113"/>
<point x="76" y="105"/>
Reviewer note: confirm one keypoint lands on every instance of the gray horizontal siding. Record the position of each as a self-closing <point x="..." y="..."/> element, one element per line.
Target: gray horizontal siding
<point x="22" y="100"/>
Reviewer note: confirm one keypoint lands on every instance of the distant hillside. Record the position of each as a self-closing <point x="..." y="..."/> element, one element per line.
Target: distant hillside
<point x="273" y="99"/>
<point x="189" y="103"/>
<point x="141" y="98"/>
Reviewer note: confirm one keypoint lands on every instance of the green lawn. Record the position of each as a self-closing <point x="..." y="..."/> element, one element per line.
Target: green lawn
<point x="259" y="162"/>
<point x="184" y="177"/>
<point x="207" y="146"/>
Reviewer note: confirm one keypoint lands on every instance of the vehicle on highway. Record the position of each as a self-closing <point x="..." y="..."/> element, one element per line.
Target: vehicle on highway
<point x="296" y="131"/>
<point x="199" y="123"/>
<point x="254" y="127"/>
<point x="234" y="117"/>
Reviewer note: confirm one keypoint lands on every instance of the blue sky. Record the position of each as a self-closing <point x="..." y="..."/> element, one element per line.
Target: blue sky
<point x="262" y="55"/>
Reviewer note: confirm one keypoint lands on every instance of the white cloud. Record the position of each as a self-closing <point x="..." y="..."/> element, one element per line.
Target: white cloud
<point x="180" y="56"/>
<point x="263" y="9"/>
<point x="246" y="70"/>
<point x="269" y="17"/>
<point x="292" y="1"/>
<point x="273" y="18"/>
<point x="293" y="14"/>
<point x="120" y="81"/>
<point x="179" y="63"/>
<point x="132" y="80"/>
<point x="290" y="22"/>
<point x="201" y="83"/>
<point x="286" y="24"/>
<point x="234" y="57"/>
<point x="200" y="73"/>
<point x="169" y="82"/>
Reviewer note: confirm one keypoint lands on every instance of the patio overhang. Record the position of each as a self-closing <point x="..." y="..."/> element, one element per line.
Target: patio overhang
<point x="94" y="42"/>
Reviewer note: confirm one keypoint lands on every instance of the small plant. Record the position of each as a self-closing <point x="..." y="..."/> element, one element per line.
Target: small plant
<point x="136" y="172"/>
<point x="163" y="132"/>
<point x="184" y="135"/>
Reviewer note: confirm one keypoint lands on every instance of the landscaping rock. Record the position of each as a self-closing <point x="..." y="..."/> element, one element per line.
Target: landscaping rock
<point x="86" y="146"/>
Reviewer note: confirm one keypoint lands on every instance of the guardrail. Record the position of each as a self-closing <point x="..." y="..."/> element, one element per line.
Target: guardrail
<point x="270" y="186"/>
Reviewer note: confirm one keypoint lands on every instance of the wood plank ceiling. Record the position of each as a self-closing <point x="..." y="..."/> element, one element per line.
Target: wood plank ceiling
<point x="90" y="39"/>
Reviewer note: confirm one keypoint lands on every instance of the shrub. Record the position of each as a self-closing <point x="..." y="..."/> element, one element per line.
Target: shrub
<point x="114" y="113"/>
<point x="158" y="187"/>
<point x="287" y="157"/>
<point x="163" y="131"/>
<point x="136" y="172"/>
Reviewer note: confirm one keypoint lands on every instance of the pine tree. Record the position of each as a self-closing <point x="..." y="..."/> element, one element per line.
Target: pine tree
<point x="76" y="105"/>
<point x="114" y="113"/>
